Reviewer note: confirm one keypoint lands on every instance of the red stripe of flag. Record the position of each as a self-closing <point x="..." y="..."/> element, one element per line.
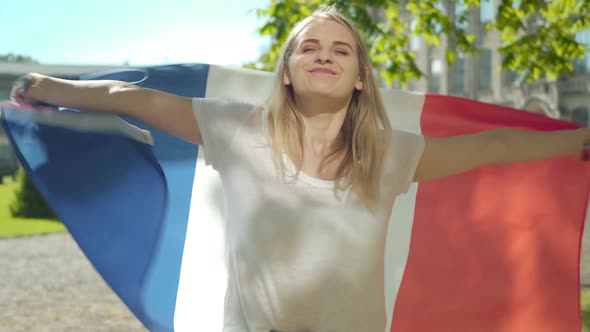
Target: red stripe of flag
<point x="496" y="248"/>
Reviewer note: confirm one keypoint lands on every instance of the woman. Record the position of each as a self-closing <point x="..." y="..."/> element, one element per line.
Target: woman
<point x="309" y="178"/>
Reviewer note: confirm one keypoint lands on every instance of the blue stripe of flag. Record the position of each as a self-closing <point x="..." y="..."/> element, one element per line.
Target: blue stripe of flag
<point x="126" y="203"/>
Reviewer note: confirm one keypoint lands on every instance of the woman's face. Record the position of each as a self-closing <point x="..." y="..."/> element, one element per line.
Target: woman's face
<point x="324" y="62"/>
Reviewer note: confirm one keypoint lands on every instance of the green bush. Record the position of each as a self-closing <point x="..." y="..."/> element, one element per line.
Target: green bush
<point x="28" y="202"/>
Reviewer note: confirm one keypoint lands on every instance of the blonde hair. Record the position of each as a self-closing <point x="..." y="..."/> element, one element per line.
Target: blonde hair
<point x="366" y="130"/>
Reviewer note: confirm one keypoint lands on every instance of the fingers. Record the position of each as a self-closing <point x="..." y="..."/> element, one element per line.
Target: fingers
<point x="16" y="94"/>
<point x="19" y="91"/>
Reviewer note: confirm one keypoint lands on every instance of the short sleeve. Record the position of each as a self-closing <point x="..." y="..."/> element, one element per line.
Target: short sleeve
<point x="406" y="151"/>
<point x="219" y="120"/>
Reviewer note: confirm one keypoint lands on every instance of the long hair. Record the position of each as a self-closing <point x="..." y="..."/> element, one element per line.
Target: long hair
<point x="366" y="130"/>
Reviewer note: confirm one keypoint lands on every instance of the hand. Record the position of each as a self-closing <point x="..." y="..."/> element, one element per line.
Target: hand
<point x="20" y="90"/>
<point x="585" y="136"/>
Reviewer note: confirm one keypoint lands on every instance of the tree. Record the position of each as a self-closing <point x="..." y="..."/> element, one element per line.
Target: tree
<point x="19" y="58"/>
<point x="28" y="201"/>
<point x="538" y="36"/>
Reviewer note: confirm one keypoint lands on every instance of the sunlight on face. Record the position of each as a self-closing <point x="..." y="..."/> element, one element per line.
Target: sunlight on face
<point x="324" y="62"/>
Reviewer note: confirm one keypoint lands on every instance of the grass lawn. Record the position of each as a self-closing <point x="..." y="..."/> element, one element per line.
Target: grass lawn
<point x="11" y="227"/>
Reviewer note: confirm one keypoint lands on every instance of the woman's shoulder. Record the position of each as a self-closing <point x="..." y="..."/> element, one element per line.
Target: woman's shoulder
<point x="257" y="121"/>
<point x="403" y="146"/>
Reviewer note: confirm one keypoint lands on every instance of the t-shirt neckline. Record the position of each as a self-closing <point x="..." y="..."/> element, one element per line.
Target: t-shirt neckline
<point x="311" y="180"/>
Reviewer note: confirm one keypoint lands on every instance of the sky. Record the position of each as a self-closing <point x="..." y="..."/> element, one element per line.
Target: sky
<point x="140" y="32"/>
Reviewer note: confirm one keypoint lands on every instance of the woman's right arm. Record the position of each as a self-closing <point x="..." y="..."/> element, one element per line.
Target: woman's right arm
<point x="166" y="112"/>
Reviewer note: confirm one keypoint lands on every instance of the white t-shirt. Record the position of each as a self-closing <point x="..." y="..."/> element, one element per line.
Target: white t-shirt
<point x="300" y="257"/>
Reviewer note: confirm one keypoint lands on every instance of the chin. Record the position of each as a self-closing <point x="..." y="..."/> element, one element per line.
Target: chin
<point x="322" y="88"/>
<point x="320" y="93"/>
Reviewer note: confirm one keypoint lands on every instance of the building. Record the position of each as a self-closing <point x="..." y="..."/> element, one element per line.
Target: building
<point x="477" y="76"/>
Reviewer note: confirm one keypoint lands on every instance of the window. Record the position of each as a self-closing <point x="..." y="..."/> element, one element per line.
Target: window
<point x="459" y="12"/>
<point x="511" y="77"/>
<point x="582" y="65"/>
<point x="516" y="4"/>
<point x="580" y="116"/>
<point x="415" y="40"/>
<point x="435" y="77"/>
<point x="415" y="43"/>
<point x="485" y="69"/>
<point x="458" y="83"/>
<point x="486" y="11"/>
<point x="414" y="85"/>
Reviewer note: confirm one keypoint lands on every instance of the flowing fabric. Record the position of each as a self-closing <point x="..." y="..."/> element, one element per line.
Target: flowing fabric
<point x="493" y="249"/>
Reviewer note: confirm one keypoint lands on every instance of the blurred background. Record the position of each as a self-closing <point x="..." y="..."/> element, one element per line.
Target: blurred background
<point x="531" y="55"/>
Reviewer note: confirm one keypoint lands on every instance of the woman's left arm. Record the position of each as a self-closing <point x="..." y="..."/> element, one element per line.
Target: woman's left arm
<point x="456" y="154"/>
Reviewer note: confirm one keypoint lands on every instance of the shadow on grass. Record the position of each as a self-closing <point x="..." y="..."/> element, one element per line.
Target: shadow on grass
<point x="17" y="227"/>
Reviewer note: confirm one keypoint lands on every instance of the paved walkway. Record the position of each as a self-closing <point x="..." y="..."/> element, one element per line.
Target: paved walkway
<point x="48" y="285"/>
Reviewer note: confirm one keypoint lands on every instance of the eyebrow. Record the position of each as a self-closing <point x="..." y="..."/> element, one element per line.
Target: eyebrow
<point x="336" y="42"/>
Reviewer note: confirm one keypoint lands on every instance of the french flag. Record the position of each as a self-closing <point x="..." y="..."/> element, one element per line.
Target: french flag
<point x="493" y="249"/>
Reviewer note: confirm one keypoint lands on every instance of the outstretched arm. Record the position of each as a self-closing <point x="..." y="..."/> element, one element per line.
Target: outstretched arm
<point x="456" y="154"/>
<point x="166" y="112"/>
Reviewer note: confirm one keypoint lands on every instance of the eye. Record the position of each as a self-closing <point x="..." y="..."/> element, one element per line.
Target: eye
<point x="308" y="49"/>
<point x="342" y="52"/>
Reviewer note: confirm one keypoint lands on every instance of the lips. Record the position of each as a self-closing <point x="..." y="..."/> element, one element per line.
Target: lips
<point x="322" y="71"/>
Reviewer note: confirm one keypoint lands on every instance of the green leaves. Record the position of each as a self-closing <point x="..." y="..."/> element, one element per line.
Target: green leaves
<point x="11" y="57"/>
<point x="537" y="36"/>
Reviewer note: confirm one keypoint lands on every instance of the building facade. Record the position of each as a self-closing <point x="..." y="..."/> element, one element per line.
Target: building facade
<point x="478" y="77"/>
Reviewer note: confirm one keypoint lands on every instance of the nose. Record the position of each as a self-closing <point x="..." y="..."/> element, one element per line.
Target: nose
<point x="324" y="56"/>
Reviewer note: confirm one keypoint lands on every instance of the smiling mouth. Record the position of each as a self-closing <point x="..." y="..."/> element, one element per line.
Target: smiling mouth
<point x="322" y="71"/>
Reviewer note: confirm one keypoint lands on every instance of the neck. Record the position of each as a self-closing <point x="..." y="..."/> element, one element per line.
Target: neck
<point x="322" y="121"/>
